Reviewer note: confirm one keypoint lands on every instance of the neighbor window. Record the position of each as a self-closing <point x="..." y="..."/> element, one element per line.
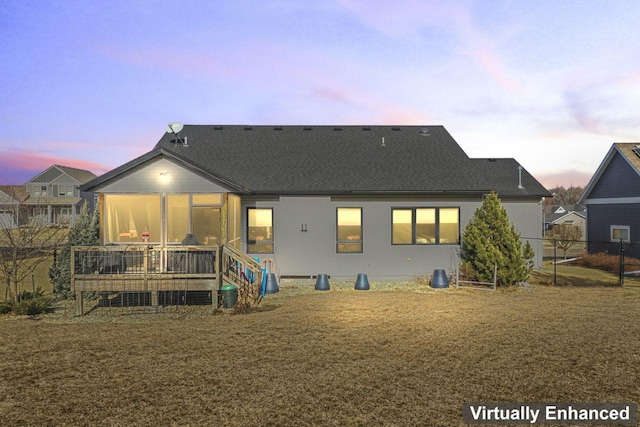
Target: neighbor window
<point x="620" y="232"/>
<point x="129" y="218"/>
<point x="65" y="190"/>
<point x="349" y="230"/>
<point x="260" y="230"/>
<point x="425" y="226"/>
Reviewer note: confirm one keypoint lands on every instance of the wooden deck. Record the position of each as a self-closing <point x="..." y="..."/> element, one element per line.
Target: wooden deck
<point x="153" y="269"/>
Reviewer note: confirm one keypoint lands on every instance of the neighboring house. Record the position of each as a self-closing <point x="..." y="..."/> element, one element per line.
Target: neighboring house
<point x="391" y="202"/>
<point x="612" y="198"/>
<point x="54" y="196"/>
<point x="565" y="215"/>
<point x="11" y="209"/>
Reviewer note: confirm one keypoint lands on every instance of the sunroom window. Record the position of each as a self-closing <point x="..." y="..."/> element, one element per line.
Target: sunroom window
<point x="198" y="214"/>
<point x="129" y="218"/>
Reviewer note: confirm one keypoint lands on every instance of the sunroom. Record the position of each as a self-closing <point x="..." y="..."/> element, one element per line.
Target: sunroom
<point x="164" y="229"/>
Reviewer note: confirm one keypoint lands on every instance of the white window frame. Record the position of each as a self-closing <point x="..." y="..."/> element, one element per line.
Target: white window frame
<point x="620" y="227"/>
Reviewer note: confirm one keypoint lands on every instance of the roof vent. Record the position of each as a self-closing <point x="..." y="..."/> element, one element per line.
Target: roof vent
<point x="307" y="128"/>
<point x="337" y="128"/>
<point x="396" y="129"/>
<point x="520" y="177"/>
<point x="636" y="150"/>
<point x="248" y="128"/>
<point x="277" y="128"/>
<point x="366" y="128"/>
<point x="424" y="132"/>
<point x="217" y="128"/>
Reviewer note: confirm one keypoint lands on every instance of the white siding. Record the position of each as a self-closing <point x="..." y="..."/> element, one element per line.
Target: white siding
<point x="148" y="179"/>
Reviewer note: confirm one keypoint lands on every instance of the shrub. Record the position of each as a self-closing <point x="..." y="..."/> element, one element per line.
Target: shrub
<point x="6" y="307"/>
<point x="606" y="262"/>
<point x="32" y="306"/>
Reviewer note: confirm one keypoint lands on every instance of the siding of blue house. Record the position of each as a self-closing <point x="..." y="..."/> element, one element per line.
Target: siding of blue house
<point x="612" y="198"/>
<point x="600" y="219"/>
<point x="618" y="180"/>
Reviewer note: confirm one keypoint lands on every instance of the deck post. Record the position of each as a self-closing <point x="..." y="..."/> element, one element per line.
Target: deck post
<point x="79" y="303"/>
<point x="154" y="298"/>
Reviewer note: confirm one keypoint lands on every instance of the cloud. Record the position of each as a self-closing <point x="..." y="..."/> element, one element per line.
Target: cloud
<point x="408" y="20"/>
<point x="566" y="178"/>
<point x="494" y="67"/>
<point x="19" y="166"/>
<point x="186" y="62"/>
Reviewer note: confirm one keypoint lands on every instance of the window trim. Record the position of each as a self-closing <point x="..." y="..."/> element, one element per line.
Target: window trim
<point x="613" y="227"/>
<point x="414" y="210"/>
<point x="346" y="242"/>
<point x="271" y="241"/>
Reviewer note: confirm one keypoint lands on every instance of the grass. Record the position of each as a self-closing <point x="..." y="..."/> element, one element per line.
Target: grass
<point x="387" y="356"/>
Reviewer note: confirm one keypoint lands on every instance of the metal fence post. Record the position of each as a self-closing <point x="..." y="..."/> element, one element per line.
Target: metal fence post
<point x="621" y="269"/>
<point x="555" y="266"/>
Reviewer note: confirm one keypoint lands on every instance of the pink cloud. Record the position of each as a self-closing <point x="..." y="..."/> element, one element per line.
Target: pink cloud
<point x="494" y="67"/>
<point x="185" y="61"/>
<point x="567" y="178"/>
<point x="19" y="166"/>
<point x="333" y="94"/>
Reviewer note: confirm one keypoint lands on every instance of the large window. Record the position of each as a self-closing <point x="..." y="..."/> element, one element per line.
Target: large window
<point x="620" y="232"/>
<point x="198" y="214"/>
<point x="260" y="230"/>
<point x="349" y="230"/>
<point x="425" y="226"/>
<point x="129" y="216"/>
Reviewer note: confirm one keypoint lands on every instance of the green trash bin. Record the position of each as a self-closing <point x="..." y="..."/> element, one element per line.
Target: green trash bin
<point x="229" y="296"/>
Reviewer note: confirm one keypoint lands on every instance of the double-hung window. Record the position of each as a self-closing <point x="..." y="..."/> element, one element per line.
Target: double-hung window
<point x="260" y="230"/>
<point x="349" y="230"/>
<point x="425" y="226"/>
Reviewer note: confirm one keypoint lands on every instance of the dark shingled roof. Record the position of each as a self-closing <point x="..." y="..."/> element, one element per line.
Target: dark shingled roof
<point x="79" y="175"/>
<point x="337" y="160"/>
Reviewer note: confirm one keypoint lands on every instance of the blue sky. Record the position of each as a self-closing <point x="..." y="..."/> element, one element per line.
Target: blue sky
<point x="93" y="84"/>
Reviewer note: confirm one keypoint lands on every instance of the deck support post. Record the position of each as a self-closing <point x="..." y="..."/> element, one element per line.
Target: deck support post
<point x="80" y="303"/>
<point x="154" y="298"/>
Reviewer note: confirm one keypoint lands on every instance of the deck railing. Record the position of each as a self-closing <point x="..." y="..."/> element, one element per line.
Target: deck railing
<point x="92" y="264"/>
<point x="244" y="272"/>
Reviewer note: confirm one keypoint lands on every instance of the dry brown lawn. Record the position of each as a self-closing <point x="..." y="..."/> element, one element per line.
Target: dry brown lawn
<point x="343" y="357"/>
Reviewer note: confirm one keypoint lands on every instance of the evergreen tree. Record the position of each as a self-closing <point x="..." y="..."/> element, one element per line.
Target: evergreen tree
<point x="85" y="231"/>
<point x="489" y="239"/>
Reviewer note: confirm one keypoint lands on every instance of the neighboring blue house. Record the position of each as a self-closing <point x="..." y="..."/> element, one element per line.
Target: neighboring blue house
<point x="612" y="198"/>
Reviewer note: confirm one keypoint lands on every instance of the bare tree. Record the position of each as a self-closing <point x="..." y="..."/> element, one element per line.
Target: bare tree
<point x="564" y="196"/>
<point x="25" y="243"/>
<point x="565" y="236"/>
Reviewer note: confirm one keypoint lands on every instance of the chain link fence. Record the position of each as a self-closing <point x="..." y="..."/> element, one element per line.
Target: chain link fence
<point x="589" y="262"/>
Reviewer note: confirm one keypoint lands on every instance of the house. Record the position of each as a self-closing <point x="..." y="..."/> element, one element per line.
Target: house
<point x="565" y="215"/>
<point x="388" y="201"/>
<point x="11" y="210"/>
<point x="612" y="198"/>
<point x="54" y="195"/>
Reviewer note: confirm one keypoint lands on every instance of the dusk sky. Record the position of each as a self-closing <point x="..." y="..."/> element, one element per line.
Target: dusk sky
<point x="93" y="84"/>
